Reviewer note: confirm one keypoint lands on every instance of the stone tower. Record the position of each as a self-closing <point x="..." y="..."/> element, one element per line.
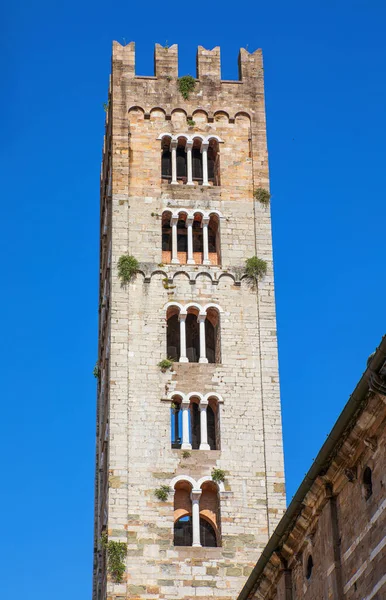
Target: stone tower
<point x="183" y="160"/>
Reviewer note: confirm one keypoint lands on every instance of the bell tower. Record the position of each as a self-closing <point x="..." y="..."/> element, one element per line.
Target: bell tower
<point x="189" y="468"/>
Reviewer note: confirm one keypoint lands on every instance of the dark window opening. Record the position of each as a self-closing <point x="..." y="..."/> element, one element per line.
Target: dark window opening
<point x="166" y="164"/>
<point x="310" y="566"/>
<point x="197" y="165"/>
<point x="367" y="483"/>
<point x="176" y="426"/>
<point x="197" y="236"/>
<point x="173" y="337"/>
<point x="211" y="421"/>
<point x="212" y="336"/>
<point x="183" y="535"/>
<point x="196" y="428"/>
<point x="192" y="338"/>
<point x="181" y="162"/>
<point x="207" y="534"/>
<point x="182" y="236"/>
<point x="166" y="233"/>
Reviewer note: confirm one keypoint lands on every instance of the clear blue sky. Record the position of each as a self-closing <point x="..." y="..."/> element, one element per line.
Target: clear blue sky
<point x="326" y="97"/>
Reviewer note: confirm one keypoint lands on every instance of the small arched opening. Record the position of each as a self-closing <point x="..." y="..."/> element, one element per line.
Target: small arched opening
<point x="213" y="162"/>
<point x="181" y="160"/>
<point x="213" y="424"/>
<point x="176" y="422"/>
<point x="182" y="238"/>
<point x="212" y="336"/>
<point x="197" y="161"/>
<point x="192" y="336"/>
<point x="183" y="535"/>
<point x="166" y="237"/>
<point x="173" y="333"/>
<point x="195" y="421"/>
<point x="166" y="159"/>
<point x="367" y="483"/>
<point x="209" y="515"/>
<point x="214" y="239"/>
<point x="197" y="239"/>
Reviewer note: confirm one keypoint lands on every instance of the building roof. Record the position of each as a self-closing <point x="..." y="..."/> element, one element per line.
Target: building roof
<point x="372" y="379"/>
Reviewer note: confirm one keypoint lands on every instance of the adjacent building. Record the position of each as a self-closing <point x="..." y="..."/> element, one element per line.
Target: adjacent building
<point x="331" y="542"/>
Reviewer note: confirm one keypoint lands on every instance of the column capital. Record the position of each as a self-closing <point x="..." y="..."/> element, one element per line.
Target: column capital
<point x="203" y="405"/>
<point x="201" y="318"/>
<point x="205" y="221"/>
<point x="185" y="403"/>
<point x="195" y="495"/>
<point x="204" y="147"/>
<point x="173" y="143"/>
<point x="182" y="316"/>
<point x="188" y="145"/>
<point x="173" y="220"/>
<point x="189" y="221"/>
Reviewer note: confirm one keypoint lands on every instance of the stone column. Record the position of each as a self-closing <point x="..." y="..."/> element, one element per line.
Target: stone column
<point x="185" y="406"/>
<point x="204" y="225"/>
<point x="189" y="226"/>
<point x="204" y="152"/>
<point x="182" y="319"/>
<point x="204" y="425"/>
<point x="195" y="496"/>
<point x="188" y="150"/>
<point x="201" y="321"/>
<point x="175" y="259"/>
<point x="173" y="145"/>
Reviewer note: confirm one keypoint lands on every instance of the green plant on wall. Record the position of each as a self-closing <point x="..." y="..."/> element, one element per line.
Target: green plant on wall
<point x="116" y="554"/>
<point x="262" y="195"/>
<point x="255" y="268"/>
<point x="186" y="454"/>
<point x="218" y="475"/>
<point x="186" y="85"/>
<point x="190" y="122"/>
<point x="165" y="364"/>
<point x="162" y="493"/>
<point x="127" y="267"/>
<point x="96" y="371"/>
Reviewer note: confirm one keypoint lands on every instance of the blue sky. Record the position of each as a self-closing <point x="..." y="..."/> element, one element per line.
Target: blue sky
<point x="325" y="96"/>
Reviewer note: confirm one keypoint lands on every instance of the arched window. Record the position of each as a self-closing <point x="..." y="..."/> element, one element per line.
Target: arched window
<point x="367" y="483"/>
<point x="181" y="160"/>
<point x="173" y="333"/>
<point x="214" y="240"/>
<point x="166" y="160"/>
<point x="213" y="162"/>
<point x="182" y="514"/>
<point x="197" y="161"/>
<point x="192" y="336"/>
<point x="176" y="423"/>
<point x="199" y="331"/>
<point x="212" y="336"/>
<point x="190" y="238"/>
<point x="197" y="525"/>
<point x="166" y="238"/>
<point x="198" y="429"/>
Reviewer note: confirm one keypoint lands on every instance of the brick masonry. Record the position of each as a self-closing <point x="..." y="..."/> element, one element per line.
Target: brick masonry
<point x="134" y="454"/>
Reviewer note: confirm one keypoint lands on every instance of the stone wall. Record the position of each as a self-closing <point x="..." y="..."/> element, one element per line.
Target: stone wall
<point x="135" y="444"/>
